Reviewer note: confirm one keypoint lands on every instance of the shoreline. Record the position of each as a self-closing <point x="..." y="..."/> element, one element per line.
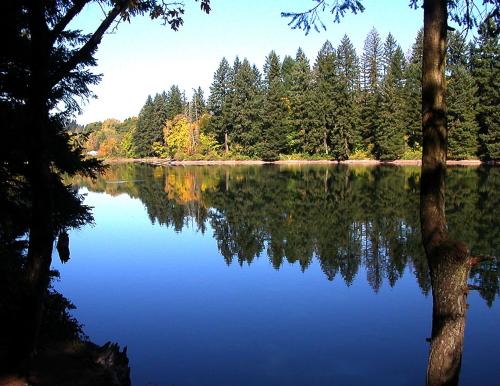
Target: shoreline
<point x="367" y="162"/>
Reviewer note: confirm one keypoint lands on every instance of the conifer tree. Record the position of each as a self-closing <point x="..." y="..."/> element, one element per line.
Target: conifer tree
<point x="486" y="71"/>
<point x="372" y="61"/>
<point x="143" y="136"/>
<point x="327" y="100"/>
<point x="175" y="102"/>
<point x="462" y="123"/>
<point x="275" y="114"/>
<point x="372" y="69"/>
<point x="349" y="89"/>
<point x="245" y="102"/>
<point x="462" y="101"/>
<point x="218" y="102"/>
<point x="390" y="47"/>
<point x="389" y="135"/>
<point x="286" y="70"/>
<point x="304" y="118"/>
<point x="413" y="94"/>
<point x="198" y="104"/>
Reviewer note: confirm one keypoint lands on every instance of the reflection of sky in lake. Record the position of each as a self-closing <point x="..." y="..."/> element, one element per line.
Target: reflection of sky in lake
<point x="189" y="319"/>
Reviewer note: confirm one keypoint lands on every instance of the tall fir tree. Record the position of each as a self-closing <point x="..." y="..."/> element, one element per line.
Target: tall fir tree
<point x="413" y="94"/>
<point x="287" y="73"/>
<point x="349" y="87"/>
<point x="372" y="61"/>
<point x="462" y="101"/>
<point x="389" y="135"/>
<point x="327" y="97"/>
<point x="198" y="104"/>
<point x="389" y="50"/>
<point x="245" y="104"/>
<point x="486" y="72"/>
<point x="175" y="102"/>
<point x="218" y="102"/>
<point x="275" y="112"/>
<point x="372" y="68"/>
<point x="462" y="110"/>
<point x="148" y="129"/>
<point x="304" y="121"/>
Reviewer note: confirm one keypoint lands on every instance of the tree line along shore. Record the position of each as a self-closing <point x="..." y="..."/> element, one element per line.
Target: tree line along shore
<point x="344" y="106"/>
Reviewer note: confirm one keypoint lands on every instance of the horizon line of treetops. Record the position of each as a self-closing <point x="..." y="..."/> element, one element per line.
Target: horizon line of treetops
<point x="342" y="107"/>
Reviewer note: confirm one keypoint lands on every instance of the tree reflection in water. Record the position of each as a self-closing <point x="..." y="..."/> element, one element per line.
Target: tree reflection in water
<point x="346" y="217"/>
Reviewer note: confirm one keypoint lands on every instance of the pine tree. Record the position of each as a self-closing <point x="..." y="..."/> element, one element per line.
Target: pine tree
<point x="218" y="101"/>
<point x="327" y="100"/>
<point x="413" y="94"/>
<point x="349" y="89"/>
<point x="175" y="102"/>
<point x="390" y="47"/>
<point x="462" y="123"/>
<point x="389" y="135"/>
<point x="287" y="74"/>
<point x="304" y="138"/>
<point x="198" y="104"/>
<point x="372" y="62"/>
<point x="461" y="99"/>
<point x="287" y="71"/>
<point x="372" y="68"/>
<point x="486" y="71"/>
<point x="245" y="103"/>
<point x="144" y="136"/>
<point x="275" y="114"/>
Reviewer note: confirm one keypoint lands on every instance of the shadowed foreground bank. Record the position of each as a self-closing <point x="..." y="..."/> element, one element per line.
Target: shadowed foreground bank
<point x="63" y="355"/>
<point x="74" y="364"/>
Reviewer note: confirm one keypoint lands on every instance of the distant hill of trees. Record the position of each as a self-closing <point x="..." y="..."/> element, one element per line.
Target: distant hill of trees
<point x="344" y="106"/>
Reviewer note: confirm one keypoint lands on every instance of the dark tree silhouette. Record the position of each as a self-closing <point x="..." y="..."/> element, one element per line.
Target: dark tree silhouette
<point x="44" y="70"/>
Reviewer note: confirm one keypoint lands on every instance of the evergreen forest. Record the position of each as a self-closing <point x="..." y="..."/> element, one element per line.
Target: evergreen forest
<point x="342" y="105"/>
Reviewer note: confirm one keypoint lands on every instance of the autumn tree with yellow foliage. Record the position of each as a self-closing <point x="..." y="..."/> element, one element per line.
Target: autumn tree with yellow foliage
<point x="183" y="138"/>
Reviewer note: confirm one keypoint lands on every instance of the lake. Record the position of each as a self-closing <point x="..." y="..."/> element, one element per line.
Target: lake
<point x="278" y="275"/>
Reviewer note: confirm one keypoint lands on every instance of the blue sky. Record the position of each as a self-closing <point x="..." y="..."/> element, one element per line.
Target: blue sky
<point x="144" y="57"/>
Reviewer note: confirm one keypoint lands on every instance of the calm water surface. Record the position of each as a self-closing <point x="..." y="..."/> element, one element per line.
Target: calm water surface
<point x="277" y="275"/>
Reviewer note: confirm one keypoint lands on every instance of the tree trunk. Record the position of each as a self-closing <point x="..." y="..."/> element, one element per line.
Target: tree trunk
<point x="433" y="123"/>
<point x="226" y="145"/>
<point x="325" y="141"/>
<point x="41" y="232"/>
<point x="448" y="259"/>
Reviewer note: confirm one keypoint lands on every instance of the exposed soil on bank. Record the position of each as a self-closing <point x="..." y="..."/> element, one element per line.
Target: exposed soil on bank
<point x="170" y="162"/>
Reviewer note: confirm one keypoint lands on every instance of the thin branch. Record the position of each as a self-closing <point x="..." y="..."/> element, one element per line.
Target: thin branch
<point x="311" y="18"/>
<point x="63" y="23"/>
<point x="89" y="46"/>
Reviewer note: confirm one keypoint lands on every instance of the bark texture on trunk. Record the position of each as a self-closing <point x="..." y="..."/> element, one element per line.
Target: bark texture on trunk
<point x="433" y="123"/>
<point x="448" y="259"/>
